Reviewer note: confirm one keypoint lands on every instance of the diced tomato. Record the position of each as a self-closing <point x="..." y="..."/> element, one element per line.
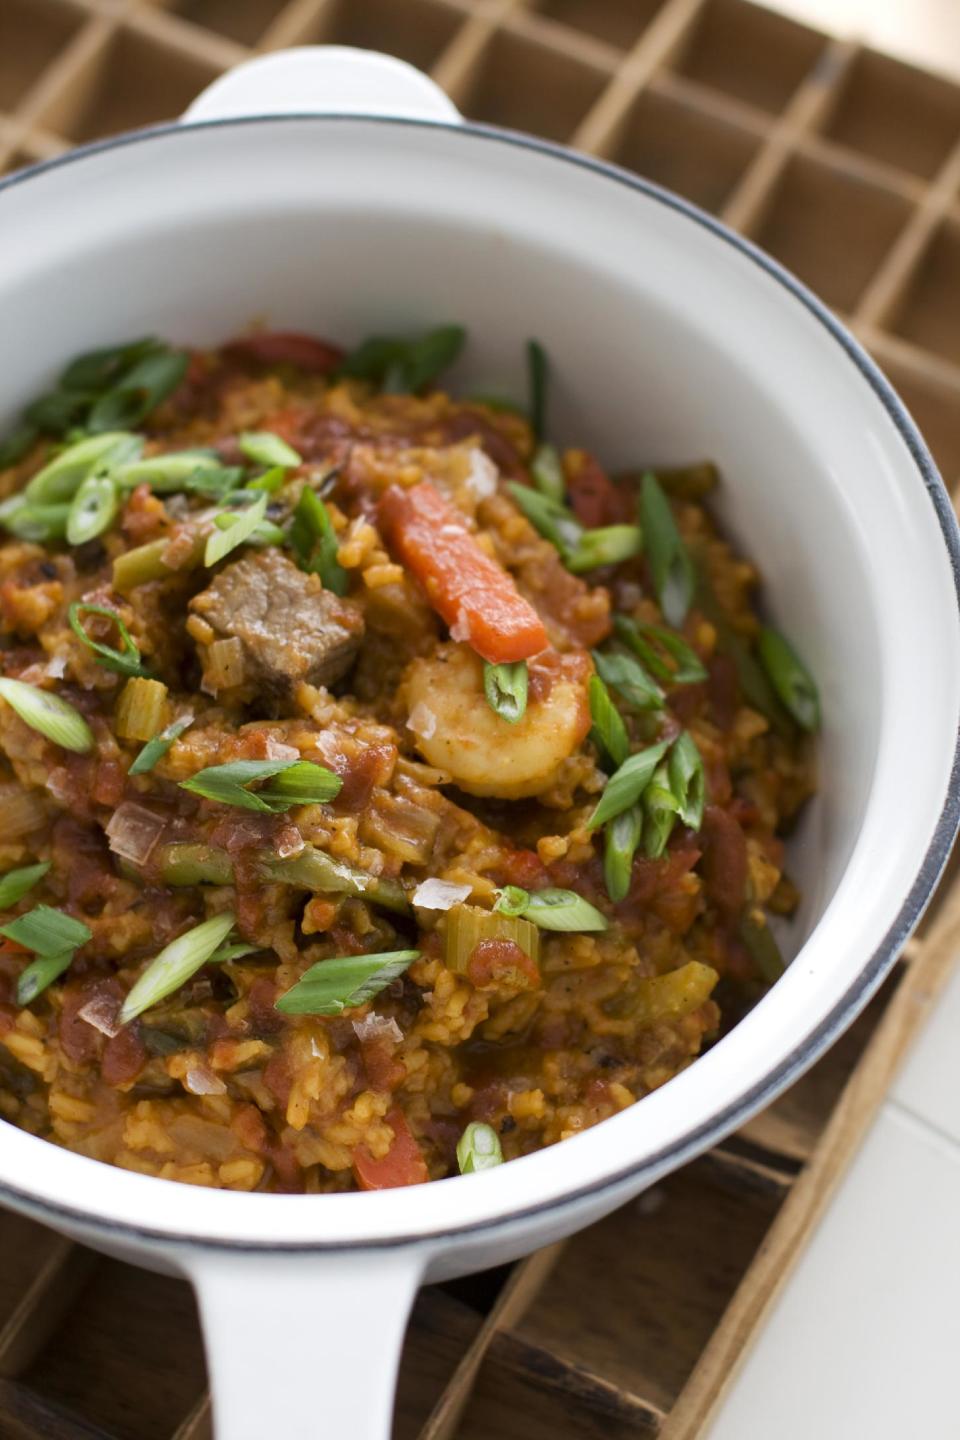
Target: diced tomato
<point x="526" y="869"/>
<point x="384" y="1070"/>
<point x="285" y="347"/>
<point x="473" y="594"/>
<point x="502" y="965"/>
<point x="594" y="498"/>
<point x="403" y="1163"/>
<point x="124" y="1056"/>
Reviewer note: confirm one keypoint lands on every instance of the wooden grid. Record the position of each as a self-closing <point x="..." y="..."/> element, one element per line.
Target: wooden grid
<point x="845" y="164"/>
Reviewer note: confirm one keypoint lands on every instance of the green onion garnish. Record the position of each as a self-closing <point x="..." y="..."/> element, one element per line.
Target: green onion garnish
<point x="670" y="566"/>
<point x="175" y="964"/>
<point x="650" y="641"/>
<point x="550" y="909"/>
<point x="93" y="509"/>
<point x="607" y="545"/>
<point x="46" y="931"/>
<point x="271" y="480"/>
<point x="315" y="542"/>
<point x="15" y="883"/>
<point x="790" y="678"/>
<point x="631" y="682"/>
<point x="551" y="519"/>
<point x="138" y="391"/>
<point x="61" y="478"/>
<point x="659" y="813"/>
<point x="156" y="748"/>
<point x="401" y="366"/>
<point x="180" y="470"/>
<point x="538" y="368"/>
<point x="39" y="974"/>
<point x="39" y="523"/>
<point x="621" y="836"/>
<point x="761" y="944"/>
<point x="627" y="784"/>
<point x="609" y="733"/>
<point x="546" y="472"/>
<point x="344" y="982"/>
<point x="295" y="782"/>
<point x="265" y="448"/>
<point x="126" y="661"/>
<point x="478" y="1148"/>
<point x="687" y="782"/>
<point x="98" y="369"/>
<point x="505" y="687"/>
<point x="240" y="528"/>
<point x="49" y="715"/>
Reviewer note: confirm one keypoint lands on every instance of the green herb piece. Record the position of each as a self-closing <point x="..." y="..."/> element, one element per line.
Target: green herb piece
<point x="221" y="542"/>
<point x="631" y="682"/>
<point x="551" y="909"/>
<point x="761" y="944"/>
<point x="126" y="661"/>
<point x="48" y="714"/>
<point x="294" y="782"/>
<point x="225" y="953"/>
<point x="175" y="964"/>
<point x="650" y="641"/>
<point x="685" y="769"/>
<point x="621" y="836"/>
<point x="38" y="523"/>
<point x="551" y="519"/>
<point x="61" y="478"/>
<point x="606" y="545"/>
<point x="790" y="678"/>
<point x="156" y="748"/>
<point x="609" y="733"/>
<point x="478" y="1148"/>
<point x="17" y="443"/>
<point x="180" y="470"/>
<point x="538" y="368"/>
<point x="271" y="480"/>
<point x="315" y="542"/>
<point x="505" y="687"/>
<point x="627" y="784"/>
<point x="138" y="391"/>
<point x="58" y="412"/>
<point x="99" y="369"/>
<point x="671" y="568"/>
<point x="546" y="472"/>
<point x="659" y="813"/>
<point x="39" y="974"/>
<point x="344" y="982"/>
<point x="46" y="931"/>
<point x="15" y="883"/>
<point x="265" y="448"/>
<point x="93" y="509"/>
<point x="400" y="366"/>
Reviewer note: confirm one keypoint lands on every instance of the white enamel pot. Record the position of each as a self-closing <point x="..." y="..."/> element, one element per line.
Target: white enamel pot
<point x="671" y="340"/>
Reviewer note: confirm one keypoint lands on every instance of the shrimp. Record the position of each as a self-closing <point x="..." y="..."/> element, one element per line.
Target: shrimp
<point x="455" y="729"/>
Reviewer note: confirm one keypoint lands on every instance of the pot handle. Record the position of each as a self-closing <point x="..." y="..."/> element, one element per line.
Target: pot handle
<point x="304" y="1346"/>
<point x="323" y="79"/>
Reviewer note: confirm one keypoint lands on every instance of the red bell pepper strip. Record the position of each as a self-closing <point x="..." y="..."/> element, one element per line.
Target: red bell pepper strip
<point x="403" y="1163"/>
<point x="473" y="594"/>
<point x="285" y="347"/>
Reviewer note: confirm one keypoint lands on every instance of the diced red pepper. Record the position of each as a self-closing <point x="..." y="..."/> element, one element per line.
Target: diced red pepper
<point x="473" y="594"/>
<point x="285" y="347"/>
<point x="403" y="1163"/>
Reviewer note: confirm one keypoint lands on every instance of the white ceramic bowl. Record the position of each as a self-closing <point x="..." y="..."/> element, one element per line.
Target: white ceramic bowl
<point x="672" y="340"/>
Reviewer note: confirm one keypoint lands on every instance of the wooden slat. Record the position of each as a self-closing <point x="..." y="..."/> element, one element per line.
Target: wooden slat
<point x="43" y="1304"/>
<point x="575" y="1384"/>
<point x="25" y="1416"/>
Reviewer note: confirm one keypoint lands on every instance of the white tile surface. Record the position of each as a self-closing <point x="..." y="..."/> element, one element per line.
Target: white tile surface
<point x="864" y="1342"/>
<point x="929" y="1083"/>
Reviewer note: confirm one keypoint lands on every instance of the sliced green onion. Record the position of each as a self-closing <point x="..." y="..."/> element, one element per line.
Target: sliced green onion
<point x="403" y="366"/>
<point x="156" y="748"/>
<point x="46" y="931"/>
<point x="627" y="784"/>
<point x="236" y="951"/>
<point x="59" y="411"/>
<point x="649" y="641"/>
<point x="139" y="391"/>
<point x="551" y="909"/>
<point x="93" y="509"/>
<point x="98" y="369"/>
<point x="295" y="782"/>
<point x="175" y="964"/>
<point x="39" y="523"/>
<point x="265" y="448"/>
<point x="761" y="944"/>
<point x="671" y="568"/>
<point x="659" y="813"/>
<point x="15" y="883"/>
<point x="169" y="473"/>
<point x="126" y="661"/>
<point x="790" y="678"/>
<point x="631" y="682"/>
<point x="49" y="715"/>
<point x="685" y="769"/>
<point x="607" y="545"/>
<point x="621" y="836"/>
<point x="344" y="982"/>
<point x="61" y="478"/>
<point x="609" y="733"/>
<point x="222" y="542"/>
<point x="39" y="974"/>
<point x="315" y="542"/>
<point x="478" y="1148"/>
<point x="551" y="519"/>
<point x="757" y="689"/>
<point x="271" y="480"/>
<point x="538" y="367"/>
<point x="546" y="472"/>
<point x="505" y="687"/>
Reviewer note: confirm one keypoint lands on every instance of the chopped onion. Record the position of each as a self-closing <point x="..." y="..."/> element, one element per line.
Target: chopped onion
<point x="101" y="1012"/>
<point x="373" y="1025"/>
<point x="422" y="720"/>
<point x="56" y="667"/>
<point x="482" y="477"/>
<point x="277" y="750"/>
<point x="201" y="1081"/>
<point x="288" y="842"/>
<point x="440" y="894"/>
<point x="134" y="831"/>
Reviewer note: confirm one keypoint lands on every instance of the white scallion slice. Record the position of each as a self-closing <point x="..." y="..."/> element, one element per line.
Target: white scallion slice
<point x="175" y="964"/>
<point x="478" y="1148"/>
<point x="344" y="982"/>
<point x="47" y="713"/>
<point x="265" y="448"/>
<point x="221" y="542"/>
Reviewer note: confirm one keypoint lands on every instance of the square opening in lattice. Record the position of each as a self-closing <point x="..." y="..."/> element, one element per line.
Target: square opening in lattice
<point x="31" y="34"/>
<point x="677" y="144"/>
<point x="618" y="22"/>
<point x="241" y="20"/>
<point x="527" y="86"/>
<point x="132" y="81"/>
<point x="929" y="312"/>
<point x="832" y="228"/>
<point x="897" y="114"/>
<point x="416" y="30"/>
<point x="752" y="53"/>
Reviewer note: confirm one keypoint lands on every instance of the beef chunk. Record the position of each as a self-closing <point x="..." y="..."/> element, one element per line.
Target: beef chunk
<point x="291" y="629"/>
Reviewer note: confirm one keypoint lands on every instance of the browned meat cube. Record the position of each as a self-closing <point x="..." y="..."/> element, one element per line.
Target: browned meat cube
<point x="290" y="628"/>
